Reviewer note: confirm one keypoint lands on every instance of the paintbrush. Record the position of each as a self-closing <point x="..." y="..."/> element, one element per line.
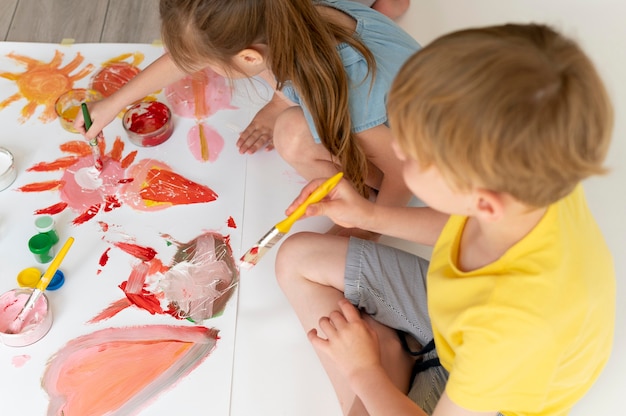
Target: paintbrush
<point x="18" y="323"/>
<point x="93" y="143"/>
<point x="257" y="251"/>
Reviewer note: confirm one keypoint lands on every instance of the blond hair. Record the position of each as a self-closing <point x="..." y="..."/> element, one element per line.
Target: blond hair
<point x="518" y="109"/>
<point x="301" y="50"/>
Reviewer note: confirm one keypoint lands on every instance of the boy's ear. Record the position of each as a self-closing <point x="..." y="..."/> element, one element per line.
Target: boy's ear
<point x="489" y="205"/>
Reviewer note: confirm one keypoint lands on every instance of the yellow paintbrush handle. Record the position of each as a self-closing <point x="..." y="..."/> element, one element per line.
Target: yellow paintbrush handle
<point x="316" y="196"/>
<point x="47" y="276"/>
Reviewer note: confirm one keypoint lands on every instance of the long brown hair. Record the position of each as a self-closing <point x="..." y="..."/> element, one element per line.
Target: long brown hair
<point x="301" y="50"/>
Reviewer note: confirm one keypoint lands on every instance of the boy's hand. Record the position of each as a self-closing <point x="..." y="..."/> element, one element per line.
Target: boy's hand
<point x="343" y="205"/>
<point x="351" y="343"/>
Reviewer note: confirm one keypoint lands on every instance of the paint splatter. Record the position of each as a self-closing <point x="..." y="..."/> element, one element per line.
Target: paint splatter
<point x="42" y="83"/>
<point x="20" y="360"/>
<point x="197" y="286"/>
<point x="146" y="185"/>
<point x="84" y="377"/>
<point x="231" y="222"/>
<point x="142" y="253"/>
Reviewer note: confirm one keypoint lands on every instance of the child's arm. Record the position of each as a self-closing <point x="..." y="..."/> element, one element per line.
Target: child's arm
<point x="155" y="76"/>
<point x="260" y="132"/>
<point x="353" y="346"/>
<point x="345" y="207"/>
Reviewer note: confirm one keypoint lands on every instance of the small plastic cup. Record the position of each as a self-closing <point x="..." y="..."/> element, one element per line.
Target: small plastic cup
<point x="45" y="224"/>
<point x="35" y="327"/>
<point x="29" y="277"/>
<point x="148" y="123"/>
<point x="68" y="104"/>
<point x="58" y="279"/>
<point x="7" y="169"/>
<point x="42" y="247"/>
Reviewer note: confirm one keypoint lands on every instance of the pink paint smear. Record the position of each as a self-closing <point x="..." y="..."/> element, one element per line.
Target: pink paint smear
<point x="121" y="370"/>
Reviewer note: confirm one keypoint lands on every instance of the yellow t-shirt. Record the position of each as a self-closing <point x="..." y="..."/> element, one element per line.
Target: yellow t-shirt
<point x="529" y="333"/>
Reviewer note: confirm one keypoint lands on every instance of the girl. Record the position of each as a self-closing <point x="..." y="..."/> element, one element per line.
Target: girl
<point x="331" y="62"/>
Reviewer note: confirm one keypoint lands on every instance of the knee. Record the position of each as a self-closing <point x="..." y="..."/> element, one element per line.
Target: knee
<point x="289" y="257"/>
<point x="290" y="130"/>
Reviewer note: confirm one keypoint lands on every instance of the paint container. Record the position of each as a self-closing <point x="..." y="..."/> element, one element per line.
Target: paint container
<point x="68" y="104"/>
<point x="29" y="277"/>
<point x="58" y="279"/>
<point x="42" y="247"/>
<point x="45" y="225"/>
<point x="37" y="325"/>
<point x="148" y="123"/>
<point x="7" y="169"/>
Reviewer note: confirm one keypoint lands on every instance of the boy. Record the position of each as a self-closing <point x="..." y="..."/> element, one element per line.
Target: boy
<point x="496" y="128"/>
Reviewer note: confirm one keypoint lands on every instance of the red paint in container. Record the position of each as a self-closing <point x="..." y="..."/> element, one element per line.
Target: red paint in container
<point x="148" y="123"/>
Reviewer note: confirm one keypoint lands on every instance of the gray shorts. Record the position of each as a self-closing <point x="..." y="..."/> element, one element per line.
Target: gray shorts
<point x="390" y="285"/>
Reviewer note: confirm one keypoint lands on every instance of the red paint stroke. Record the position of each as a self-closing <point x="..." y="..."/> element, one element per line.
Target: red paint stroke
<point x="112" y="310"/>
<point x="104" y="258"/>
<point x="142" y="253"/>
<point x="117" y="150"/>
<point x="129" y="159"/>
<point x="125" y="180"/>
<point x="87" y="215"/>
<point x="231" y="222"/>
<point x="52" y="209"/>
<point x="61" y="163"/>
<point x="103" y="226"/>
<point x="41" y="186"/>
<point x="167" y="186"/>
<point x="111" y="202"/>
<point x="143" y="299"/>
<point x="112" y="77"/>
<point x="77" y="147"/>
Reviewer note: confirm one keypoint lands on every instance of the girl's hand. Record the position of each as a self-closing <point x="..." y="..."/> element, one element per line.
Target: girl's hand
<point x="351" y="343"/>
<point x="101" y="112"/>
<point x="343" y="205"/>
<point x="260" y="132"/>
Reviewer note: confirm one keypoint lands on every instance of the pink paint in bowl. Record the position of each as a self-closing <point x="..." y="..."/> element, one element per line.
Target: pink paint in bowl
<point x="148" y="123"/>
<point x="38" y="324"/>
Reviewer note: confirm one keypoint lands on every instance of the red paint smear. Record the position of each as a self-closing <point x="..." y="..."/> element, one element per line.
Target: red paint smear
<point x="104" y="258"/>
<point x="61" y="163"/>
<point x="144" y="300"/>
<point x="104" y="226"/>
<point x="112" y="310"/>
<point x="118" y="148"/>
<point x="88" y="214"/>
<point x="52" y="209"/>
<point x="231" y="222"/>
<point x="167" y="186"/>
<point x="79" y="148"/>
<point x="111" y="202"/>
<point x="142" y="253"/>
<point x="112" y="77"/>
<point x="254" y="250"/>
<point x="153" y="118"/>
<point x="130" y="158"/>
<point x="41" y="186"/>
<point x="125" y="180"/>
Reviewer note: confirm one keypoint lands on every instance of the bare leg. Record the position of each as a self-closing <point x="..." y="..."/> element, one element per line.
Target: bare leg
<point x="295" y="144"/>
<point x="391" y="8"/>
<point x="310" y="269"/>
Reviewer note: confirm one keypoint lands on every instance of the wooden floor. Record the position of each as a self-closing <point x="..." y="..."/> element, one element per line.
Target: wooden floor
<point x="84" y="21"/>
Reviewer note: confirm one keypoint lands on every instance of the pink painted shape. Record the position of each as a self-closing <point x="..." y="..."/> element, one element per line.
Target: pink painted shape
<point x="214" y="141"/>
<point x="78" y="197"/>
<point x="182" y="97"/>
<point x="85" y="376"/>
<point x="20" y="360"/>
